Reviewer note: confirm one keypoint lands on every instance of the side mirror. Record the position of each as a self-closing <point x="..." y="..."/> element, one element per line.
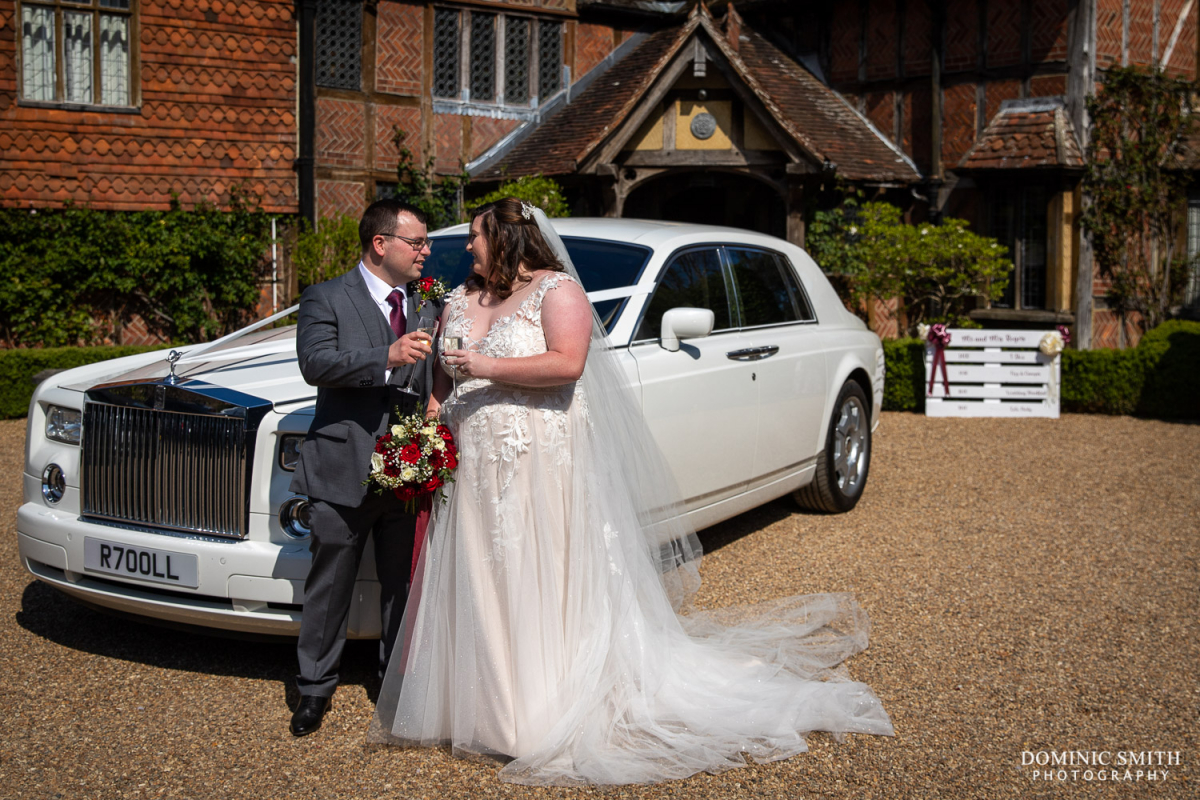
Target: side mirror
<point x="685" y="323"/>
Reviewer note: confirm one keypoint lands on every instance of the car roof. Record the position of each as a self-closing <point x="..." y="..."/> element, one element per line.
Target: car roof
<point x="648" y="232"/>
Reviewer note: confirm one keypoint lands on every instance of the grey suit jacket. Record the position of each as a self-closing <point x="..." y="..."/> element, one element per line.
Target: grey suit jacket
<point x="342" y="344"/>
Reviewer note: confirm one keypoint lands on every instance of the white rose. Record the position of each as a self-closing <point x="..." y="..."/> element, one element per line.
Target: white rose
<point x="1051" y="344"/>
<point x="408" y="474"/>
<point x="429" y="430"/>
<point x="376" y="462"/>
<point x="439" y="444"/>
<point x="397" y="430"/>
<point x="923" y="331"/>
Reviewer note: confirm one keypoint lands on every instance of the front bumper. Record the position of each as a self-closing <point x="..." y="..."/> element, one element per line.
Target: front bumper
<point x="244" y="585"/>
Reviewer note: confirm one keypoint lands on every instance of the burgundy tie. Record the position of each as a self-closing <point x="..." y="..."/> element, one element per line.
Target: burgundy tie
<point x="396" y="318"/>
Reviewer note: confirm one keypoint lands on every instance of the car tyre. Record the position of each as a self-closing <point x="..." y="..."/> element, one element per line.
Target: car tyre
<point x="843" y="465"/>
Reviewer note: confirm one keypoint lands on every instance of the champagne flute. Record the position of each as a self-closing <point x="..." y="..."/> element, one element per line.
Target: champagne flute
<point x="426" y="328"/>
<point x="452" y="343"/>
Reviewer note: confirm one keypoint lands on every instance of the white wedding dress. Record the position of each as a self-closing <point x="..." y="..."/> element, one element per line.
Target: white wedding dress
<point x="539" y="628"/>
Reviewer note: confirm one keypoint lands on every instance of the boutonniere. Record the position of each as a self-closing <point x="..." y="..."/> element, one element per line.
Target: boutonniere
<point x="427" y="289"/>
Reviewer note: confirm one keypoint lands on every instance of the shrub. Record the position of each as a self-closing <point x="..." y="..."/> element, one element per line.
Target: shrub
<point x="904" y="380"/>
<point x="17" y="368"/>
<point x="327" y="251"/>
<point x="542" y="192"/>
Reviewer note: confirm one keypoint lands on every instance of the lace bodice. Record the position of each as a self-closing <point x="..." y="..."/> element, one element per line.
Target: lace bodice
<point x="512" y="336"/>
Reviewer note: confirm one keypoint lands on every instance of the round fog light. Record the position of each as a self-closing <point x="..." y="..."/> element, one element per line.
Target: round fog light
<point x="54" y="483"/>
<point x="295" y="516"/>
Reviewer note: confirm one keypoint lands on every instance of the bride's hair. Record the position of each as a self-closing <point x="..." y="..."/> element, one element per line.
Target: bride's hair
<point x="513" y="239"/>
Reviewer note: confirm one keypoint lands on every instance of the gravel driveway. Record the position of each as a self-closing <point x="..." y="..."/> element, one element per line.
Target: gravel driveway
<point x="1032" y="584"/>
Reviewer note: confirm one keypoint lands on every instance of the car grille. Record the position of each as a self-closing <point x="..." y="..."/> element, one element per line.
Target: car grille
<point x="165" y="469"/>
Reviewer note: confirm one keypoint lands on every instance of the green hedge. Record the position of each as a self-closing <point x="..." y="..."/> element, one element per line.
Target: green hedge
<point x="1158" y="378"/>
<point x="17" y="368"/>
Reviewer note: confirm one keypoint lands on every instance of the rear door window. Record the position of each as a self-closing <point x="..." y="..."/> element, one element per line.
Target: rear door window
<point x="763" y="293"/>
<point x="692" y="279"/>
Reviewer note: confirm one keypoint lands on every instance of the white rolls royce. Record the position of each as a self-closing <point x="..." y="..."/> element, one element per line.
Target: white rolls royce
<point x="158" y="485"/>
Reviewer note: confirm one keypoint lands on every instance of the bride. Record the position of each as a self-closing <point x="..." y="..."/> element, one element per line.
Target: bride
<point x="543" y="626"/>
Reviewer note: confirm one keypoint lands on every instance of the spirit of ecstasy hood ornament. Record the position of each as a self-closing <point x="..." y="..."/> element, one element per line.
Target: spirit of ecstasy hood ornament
<point x="172" y="358"/>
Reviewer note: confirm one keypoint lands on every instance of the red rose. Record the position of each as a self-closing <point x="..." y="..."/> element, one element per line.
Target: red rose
<point x="426" y="284"/>
<point x="407" y="493"/>
<point x="450" y="460"/>
<point x="435" y="460"/>
<point x="433" y="484"/>
<point x="410" y="454"/>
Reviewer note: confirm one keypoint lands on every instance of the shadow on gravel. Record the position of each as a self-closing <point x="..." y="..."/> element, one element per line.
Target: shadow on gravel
<point x="729" y="531"/>
<point x="52" y="615"/>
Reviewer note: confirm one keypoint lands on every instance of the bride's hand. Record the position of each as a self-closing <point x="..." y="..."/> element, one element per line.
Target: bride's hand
<point x="467" y="363"/>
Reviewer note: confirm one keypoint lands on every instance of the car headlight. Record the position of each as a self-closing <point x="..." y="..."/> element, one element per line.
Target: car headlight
<point x="54" y="484"/>
<point x="295" y="515"/>
<point x="63" y="424"/>
<point x="289" y="451"/>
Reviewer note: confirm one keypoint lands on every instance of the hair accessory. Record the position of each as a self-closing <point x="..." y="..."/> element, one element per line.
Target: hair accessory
<point x="526" y="210"/>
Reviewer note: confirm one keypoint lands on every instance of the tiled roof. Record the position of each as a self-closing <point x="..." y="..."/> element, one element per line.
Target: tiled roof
<point x="822" y="124"/>
<point x="559" y="143"/>
<point x="1026" y="134"/>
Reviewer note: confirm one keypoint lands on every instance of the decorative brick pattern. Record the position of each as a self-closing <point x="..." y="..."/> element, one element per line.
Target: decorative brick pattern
<point x="845" y="34"/>
<point x="917" y="38"/>
<point x="958" y="122"/>
<point x="1004" y="33"/>
<point x="882" y="35"/>
<point x="485" y="132"/>
<point x="996" y="92"/>
<point x="447" y="134"/>
<point x="1106" y="329"/>
<point x="1108" y="33"/>
<point x="592" y="44"/>
<point x="883" y="315"/>
<point x="1141" y="33"/>
<point x="881" y="110"/>
<point x="1048" y="86"/>
<point x="1048" y="33"/>
<point x="341" y="133"/>
<point x="1183" y="57"/>
<point x="217" y="108"/>
<point x="398" y="48"/>
<point x="389" y="119"/>
<point x="341" y="197"/>
<point x="962" y="36"/>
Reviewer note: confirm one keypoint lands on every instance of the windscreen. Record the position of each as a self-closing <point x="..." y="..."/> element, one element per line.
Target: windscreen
<point x="601" y="265"/>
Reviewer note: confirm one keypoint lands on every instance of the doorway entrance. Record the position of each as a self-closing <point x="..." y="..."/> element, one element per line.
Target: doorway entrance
<point x="710" y="198"/>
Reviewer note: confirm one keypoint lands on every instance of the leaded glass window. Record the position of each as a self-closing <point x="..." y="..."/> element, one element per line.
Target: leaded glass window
<point x="483" y="57"/>
<point x="550" y="58"/>
<point x="516" y="61"/>
<point x="77" y="51"/>
<point x="1018" y="220"/>
<point x="339" y="44"/>
<point x="446" y="53"/>
<point x="1191" y="290"/>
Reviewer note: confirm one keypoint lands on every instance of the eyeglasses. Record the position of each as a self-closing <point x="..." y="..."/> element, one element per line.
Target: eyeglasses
<point x="415" y="244"/>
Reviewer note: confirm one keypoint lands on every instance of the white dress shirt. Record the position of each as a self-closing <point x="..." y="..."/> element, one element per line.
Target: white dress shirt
<point x="379" y="293"/>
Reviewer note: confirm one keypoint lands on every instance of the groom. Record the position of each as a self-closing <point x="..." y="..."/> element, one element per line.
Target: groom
<point x="357" y="341"/>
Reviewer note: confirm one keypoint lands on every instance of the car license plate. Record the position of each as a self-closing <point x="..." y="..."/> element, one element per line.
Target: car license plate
<point x="143" y="563"/>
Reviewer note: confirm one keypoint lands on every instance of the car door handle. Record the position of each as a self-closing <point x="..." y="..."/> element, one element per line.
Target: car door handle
<point x="753" y="353"/>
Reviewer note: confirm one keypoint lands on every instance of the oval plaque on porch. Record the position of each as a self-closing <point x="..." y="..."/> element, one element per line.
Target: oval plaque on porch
<point x="703" y="125"/>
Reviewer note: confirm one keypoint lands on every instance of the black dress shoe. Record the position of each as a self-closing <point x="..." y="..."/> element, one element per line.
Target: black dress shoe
<point x="309" y="714"/>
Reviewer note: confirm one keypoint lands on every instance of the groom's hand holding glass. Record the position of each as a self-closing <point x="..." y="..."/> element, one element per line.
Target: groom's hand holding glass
<point x="410" y="348"/>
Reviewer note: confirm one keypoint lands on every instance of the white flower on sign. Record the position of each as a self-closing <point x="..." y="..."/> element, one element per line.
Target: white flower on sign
<point x="1051" y="344"/>
<point x="923" y="332"/>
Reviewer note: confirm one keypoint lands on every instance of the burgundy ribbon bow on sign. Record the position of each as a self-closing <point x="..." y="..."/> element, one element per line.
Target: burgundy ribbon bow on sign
<point x="939" y="337"/>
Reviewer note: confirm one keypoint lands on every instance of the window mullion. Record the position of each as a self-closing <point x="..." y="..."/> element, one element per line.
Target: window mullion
<point x="464" y="56"/>
<point x="501" y="45"/>
<point x="534" y="72"/>
<point x="97" y="50"/>
<point x="60" y="61"/>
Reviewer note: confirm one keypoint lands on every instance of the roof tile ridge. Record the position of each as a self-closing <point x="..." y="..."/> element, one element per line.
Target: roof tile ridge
<point x="759" y="90"/>
<point x="648" y="79"/>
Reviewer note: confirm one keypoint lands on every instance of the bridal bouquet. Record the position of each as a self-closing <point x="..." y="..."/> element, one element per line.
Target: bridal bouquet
<point x="415" y="457"/>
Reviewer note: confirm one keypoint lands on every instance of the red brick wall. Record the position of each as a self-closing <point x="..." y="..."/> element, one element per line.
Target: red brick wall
<point x="592" y="44"/>
<point x="1141" y="31"/>
<point x="917" y="133"/>
<point x="881" y="40"/>
<point x="881" y="110"/>
<point x="1048" y="31"/>
<point x="958" y="122"/>
<point x="845" y="36"/>
<point x="917" y="38"/>
<point x="1003" y="33"/>
<point x="962" y="35"/>
<point x="997" y="92"/>
<point x="1108" y="33"/>
<point x="341" y="133"/>
<point x="398" y="37"/>
<point x="1048" y="85"/>
<point x="1183" y="57"/>
<point x="447" y="133"/>
<point x="389" y="118"/>
<point x="217" y="108"/>
<point x="341" y="197"/>
<point x="486" y="132"/>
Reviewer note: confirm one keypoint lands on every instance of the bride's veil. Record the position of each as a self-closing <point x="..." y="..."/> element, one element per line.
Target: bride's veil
<point x="630" y="452"/>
